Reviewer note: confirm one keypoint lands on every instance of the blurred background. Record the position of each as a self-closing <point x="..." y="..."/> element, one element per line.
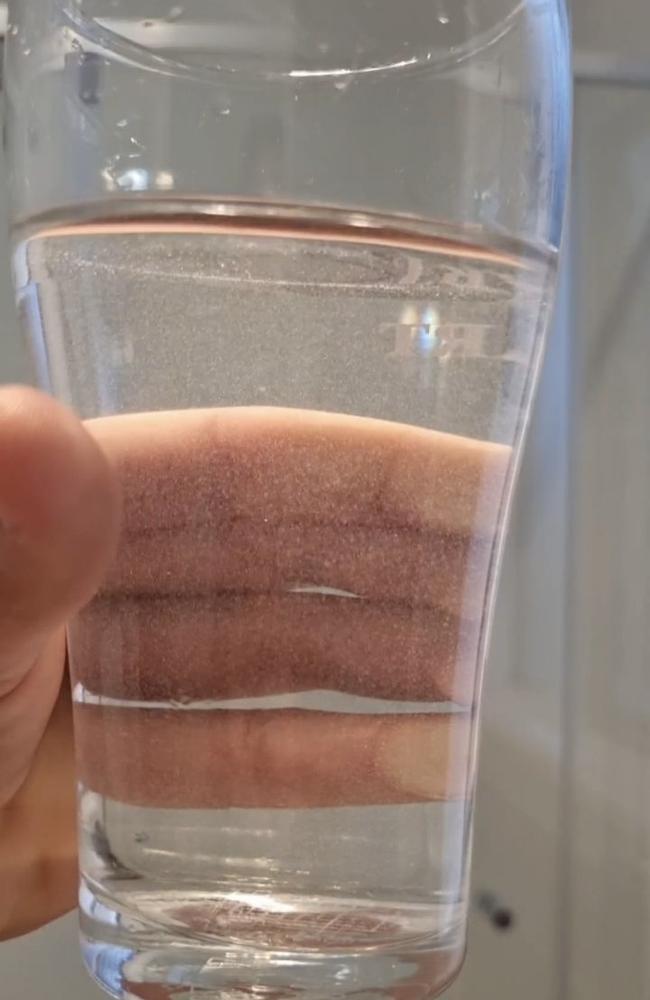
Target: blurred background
<point x="562" y="856"/>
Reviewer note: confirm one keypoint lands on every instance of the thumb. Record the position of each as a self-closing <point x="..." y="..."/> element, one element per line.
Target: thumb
<point x="58" y="525"/>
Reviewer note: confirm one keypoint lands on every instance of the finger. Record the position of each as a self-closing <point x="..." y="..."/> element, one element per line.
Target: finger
<point x="38" y="848"/>
<point x="236" y="646"/>
<point x="277" y="500"/>
<point x="288" y="465"/>
<point x="58" y="524"/>
<point x="396" y="564"/>
<point x="276" y="759"/>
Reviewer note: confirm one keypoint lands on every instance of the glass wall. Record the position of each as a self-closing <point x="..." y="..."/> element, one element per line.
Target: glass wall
<point x="563" y="837"/>
<point x="562" y="876"/>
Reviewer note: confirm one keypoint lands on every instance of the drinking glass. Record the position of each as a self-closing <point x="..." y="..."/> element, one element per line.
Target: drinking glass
<point x="293" y="260"/>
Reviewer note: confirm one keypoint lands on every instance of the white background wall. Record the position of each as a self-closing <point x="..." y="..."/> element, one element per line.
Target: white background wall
<point x="620" y="28"/>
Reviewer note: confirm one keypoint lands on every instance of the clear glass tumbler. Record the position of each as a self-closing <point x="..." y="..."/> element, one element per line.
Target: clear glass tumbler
<point x="294" y="261"/>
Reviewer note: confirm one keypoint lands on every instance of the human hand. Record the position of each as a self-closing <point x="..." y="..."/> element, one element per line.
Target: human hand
<point x="58" y="523"/>
<point x="226" y="513"/>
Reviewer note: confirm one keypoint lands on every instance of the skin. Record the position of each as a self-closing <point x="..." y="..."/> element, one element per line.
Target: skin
<point x="59" y="510"/>
<point x="406" y="522"/>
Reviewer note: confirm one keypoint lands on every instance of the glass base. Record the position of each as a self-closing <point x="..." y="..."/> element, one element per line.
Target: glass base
<point x="148" y="962"/>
